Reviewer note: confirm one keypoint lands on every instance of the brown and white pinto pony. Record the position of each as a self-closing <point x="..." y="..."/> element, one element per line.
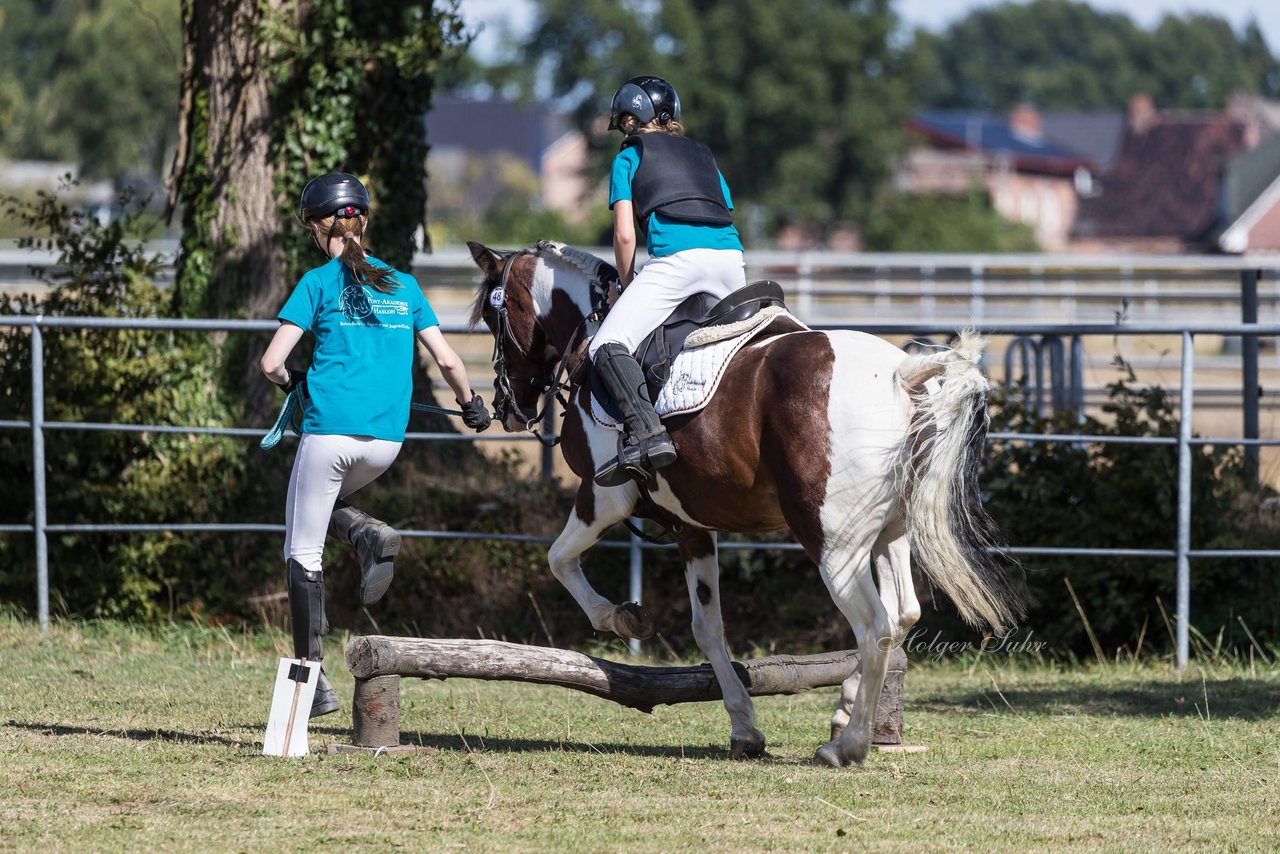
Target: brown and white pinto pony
<point x="867" y="454"/>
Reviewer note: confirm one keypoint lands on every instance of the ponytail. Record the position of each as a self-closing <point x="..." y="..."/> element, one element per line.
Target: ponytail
<point x="381" y="279"/>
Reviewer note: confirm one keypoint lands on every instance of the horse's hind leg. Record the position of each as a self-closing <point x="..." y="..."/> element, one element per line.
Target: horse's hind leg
<point x="892" y="554"/>
<point x="702" y="572"/>
<point x="893" y="570"/>
<point x="846" y="569"/>
<point x="627" y="620"/>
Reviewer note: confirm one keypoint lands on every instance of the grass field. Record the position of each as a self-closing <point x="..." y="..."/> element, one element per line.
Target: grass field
<point x="116" y="739"/>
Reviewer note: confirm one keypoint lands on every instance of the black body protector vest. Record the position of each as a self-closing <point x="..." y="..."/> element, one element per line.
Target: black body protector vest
<point x="677" y="177"/>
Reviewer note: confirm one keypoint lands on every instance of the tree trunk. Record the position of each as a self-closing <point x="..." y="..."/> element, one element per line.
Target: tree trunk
<point x="224" y="181"/>
<point x="640" y="688"/>
<point x="223" y="176"/>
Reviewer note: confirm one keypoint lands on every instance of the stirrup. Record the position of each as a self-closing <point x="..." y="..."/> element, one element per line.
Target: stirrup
<point x="637" y="461"/>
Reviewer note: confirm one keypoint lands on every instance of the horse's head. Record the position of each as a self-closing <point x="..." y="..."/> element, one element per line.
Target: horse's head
<point x="524" y="359"/>
<point x="537" y="303"/>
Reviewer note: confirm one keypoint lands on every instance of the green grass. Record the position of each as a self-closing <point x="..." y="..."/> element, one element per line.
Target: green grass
<point x="117" y="739"/>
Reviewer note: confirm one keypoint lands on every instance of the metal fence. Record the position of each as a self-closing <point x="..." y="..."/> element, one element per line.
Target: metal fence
<point x="1180" y="551"/>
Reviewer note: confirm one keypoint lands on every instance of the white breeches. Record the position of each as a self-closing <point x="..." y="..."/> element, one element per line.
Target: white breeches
<point x="325" y="469"/>
<point x="661" y="285"/>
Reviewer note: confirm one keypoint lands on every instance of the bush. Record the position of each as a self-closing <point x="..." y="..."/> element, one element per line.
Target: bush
<point x="110" y="375"/>
<point x="1125" y="496"/>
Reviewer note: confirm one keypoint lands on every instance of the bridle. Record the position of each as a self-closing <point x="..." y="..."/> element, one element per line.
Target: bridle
<point x="552" y="369"/>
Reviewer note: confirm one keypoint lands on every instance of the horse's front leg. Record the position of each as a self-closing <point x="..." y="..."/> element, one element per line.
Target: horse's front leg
<point x="702" y="572"/>
<point x="606" y="508"/>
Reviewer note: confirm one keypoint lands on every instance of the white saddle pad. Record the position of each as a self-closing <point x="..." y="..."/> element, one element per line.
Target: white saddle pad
<point x="696" y="371"/>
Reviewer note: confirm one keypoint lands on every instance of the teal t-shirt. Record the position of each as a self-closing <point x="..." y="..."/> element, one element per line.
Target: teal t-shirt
<point x="361" y="374"/>
<point x="668" y="236"/>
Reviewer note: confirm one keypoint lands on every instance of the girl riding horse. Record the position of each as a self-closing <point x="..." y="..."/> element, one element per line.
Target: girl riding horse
<point x="667" y="185"/>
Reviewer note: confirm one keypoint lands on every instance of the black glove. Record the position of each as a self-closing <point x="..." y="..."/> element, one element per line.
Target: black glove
<point x="293" y="380"/>
<point x="475" y="415"/>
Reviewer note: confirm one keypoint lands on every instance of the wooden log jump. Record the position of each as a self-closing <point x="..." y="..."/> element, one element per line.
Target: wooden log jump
<point x="378" y="661"/>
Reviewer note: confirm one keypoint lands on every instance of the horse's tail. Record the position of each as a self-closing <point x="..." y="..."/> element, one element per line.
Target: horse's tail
<point x="950" y="533"/>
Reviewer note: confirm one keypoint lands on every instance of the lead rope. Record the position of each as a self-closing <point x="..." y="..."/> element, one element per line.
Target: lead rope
<point x="285" y="421"/>
<point x="288" y="422"/>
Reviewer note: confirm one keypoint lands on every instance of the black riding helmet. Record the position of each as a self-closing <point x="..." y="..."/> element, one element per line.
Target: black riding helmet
<point x="647" y="98"/>
<point x="335" y="193"/>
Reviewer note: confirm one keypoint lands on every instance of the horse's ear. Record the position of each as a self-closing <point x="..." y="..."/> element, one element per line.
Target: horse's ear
<point x="489" y="262"/>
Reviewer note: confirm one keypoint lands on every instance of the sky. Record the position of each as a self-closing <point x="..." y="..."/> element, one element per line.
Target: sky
<point x="514" y="16"/>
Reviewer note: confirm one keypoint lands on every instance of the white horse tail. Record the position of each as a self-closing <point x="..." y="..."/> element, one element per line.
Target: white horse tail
<point x="950" y="532"/>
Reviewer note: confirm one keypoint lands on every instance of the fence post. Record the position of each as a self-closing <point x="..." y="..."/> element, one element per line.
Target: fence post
<point x="804" y="288"/>
<point x="1249" y="362"/>
<point x="637" y="580"/>
<point x="1077" y="378"/>
<point x="977" y="289"/>
<point x="37" y="469"/>
<point x="1184" y="500"/>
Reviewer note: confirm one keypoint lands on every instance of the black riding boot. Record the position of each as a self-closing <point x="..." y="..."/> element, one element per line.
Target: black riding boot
<point x="306" y="610"/>
<point x="377" y="544"/>
<point x="644" y="445"/>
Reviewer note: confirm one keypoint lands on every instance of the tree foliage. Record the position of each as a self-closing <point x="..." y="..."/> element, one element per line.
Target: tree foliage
<point x="95" y="83"/>
<point x="332" y="85"/>
<point x="801" y="102"/>
<point x="937" y="223"/>
<point x="1064" y="54"/>
<point x="351" y="83"/>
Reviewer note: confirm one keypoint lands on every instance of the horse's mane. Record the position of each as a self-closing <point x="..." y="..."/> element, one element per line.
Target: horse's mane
<point x="584" y="262"/>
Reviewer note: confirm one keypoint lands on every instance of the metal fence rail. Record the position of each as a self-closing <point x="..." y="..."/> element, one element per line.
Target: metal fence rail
<point x="1180" y="551"/>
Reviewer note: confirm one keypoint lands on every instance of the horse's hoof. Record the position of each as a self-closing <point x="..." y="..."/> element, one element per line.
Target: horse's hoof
<point x="856" y="750"/>
<point x="829" y="755"/>
<point x="632" y="621"/>
<point x="747" y="748"/>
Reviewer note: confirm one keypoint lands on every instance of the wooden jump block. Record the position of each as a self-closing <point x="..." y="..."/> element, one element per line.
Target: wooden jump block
<point x="378" y="662"/>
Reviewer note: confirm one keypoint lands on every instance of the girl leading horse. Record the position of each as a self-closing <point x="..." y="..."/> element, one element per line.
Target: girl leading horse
<point x="867" y="454"/>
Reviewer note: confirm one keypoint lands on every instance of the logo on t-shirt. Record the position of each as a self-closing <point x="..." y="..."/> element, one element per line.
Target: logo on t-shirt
<point x="355" y="303"/>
